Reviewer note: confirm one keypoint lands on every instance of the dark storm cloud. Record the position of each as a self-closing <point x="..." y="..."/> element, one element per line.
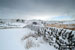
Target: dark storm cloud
<point x="25" y="8"/>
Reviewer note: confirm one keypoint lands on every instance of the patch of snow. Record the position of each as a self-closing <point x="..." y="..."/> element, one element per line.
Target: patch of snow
<point x="10" y="39"/>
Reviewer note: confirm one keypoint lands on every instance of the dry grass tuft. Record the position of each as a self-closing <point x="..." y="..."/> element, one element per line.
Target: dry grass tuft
<point x="65" y="26"/>
<point x="29" y="44"/>
<point x="29" y="35"/>
<point x="29" y="40"/>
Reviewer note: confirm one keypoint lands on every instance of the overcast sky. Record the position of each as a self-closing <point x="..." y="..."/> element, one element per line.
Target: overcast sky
<point x="38" y="9"/>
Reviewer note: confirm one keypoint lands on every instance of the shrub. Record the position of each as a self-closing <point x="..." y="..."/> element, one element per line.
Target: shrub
<point x="35" y="23"/>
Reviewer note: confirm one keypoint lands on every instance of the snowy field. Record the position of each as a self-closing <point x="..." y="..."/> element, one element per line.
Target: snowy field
<point x="10" y="39"/>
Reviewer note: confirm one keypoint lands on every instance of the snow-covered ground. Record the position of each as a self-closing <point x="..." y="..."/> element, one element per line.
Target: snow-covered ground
<point x="10" y="39"/>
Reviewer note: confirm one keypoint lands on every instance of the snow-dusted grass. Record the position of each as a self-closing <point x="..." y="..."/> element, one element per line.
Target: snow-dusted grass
<point x="29" y="44"/>
<point x="44" y="46"/>
<point x="12" y="25"/>
<point x="32" y="43"/>
<point x="29" y="35"/>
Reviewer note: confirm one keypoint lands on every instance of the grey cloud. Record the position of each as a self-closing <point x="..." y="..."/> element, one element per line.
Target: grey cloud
<point x="17" y="8"/>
